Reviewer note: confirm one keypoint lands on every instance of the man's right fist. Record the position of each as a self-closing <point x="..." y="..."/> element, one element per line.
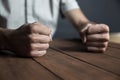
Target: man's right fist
<point x="30" y="40"/>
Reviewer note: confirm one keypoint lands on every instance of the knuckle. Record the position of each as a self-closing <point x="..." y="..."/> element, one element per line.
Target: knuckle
<point x="31" y="53"/>
<point x="96" y="49"/>
<point x="35" y="46"/>
<point x="33" y="27"/>
<point x="32" y="38"/>
<point x="105" y="36"/>
<point x="105" y="44"/>
<point x="39" y="38"/>
<point x="40" y="28"/>
<point x="42" y="53"/>
<point x="105" y="27"/>
<point x="90" y="29"/>
<point x="37" y="53"/>
<point x="45" y="38"/>
<point x="46" y="46"/>
<point x="48" y="39"/>
<point x="102" y="49"/>
<point x="47" y="30"/>
<point x="32" y="46"/>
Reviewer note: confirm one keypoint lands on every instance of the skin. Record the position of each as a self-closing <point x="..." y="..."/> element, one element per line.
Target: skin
<point x="32" y="40"/>
<point x="94" y="36"/>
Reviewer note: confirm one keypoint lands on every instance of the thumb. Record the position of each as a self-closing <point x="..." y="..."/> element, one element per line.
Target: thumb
<point x="83" y="33"/>
<point x="83" y="36"/>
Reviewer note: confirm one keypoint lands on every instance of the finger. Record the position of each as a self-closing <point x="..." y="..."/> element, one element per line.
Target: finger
<point x="37" y="53"/>
<point x="38" y="38"/>
<point x="97" y="44"/>
<point x="40" y="28"/>
<point x="39" y="46"/>
<point x="98" y="37"/>
<point x="96" y="49"/>
<point x="98" y="28"/>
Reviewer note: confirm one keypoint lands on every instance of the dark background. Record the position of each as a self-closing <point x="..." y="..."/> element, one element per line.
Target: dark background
<point x="101" y="11"/>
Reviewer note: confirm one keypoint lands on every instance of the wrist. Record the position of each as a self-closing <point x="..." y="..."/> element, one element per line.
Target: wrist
<point x="4" y="39"/>
<point x="84" y="25"/>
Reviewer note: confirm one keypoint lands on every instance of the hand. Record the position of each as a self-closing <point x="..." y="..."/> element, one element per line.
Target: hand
<point x="95" y="37"/>
<point x="30" y="40"/>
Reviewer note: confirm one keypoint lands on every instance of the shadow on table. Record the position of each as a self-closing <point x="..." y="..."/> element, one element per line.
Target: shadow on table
<point x="10" y="54"/>
<point x="7" y="54"/>
<point x="70" y="45"/>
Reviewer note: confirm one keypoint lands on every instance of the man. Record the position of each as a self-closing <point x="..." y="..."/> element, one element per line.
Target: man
<point x="40" y="20"/>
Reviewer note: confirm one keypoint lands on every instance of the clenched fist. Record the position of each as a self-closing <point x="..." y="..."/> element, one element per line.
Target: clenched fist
<point x="95" y="37"/>
<point x="29" y="40"/>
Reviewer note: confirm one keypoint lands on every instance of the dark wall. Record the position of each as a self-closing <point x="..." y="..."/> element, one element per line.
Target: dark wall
<point x="101" y="11"/>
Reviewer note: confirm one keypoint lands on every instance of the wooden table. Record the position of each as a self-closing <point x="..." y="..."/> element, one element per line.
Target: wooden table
<point x="65" y="60"/>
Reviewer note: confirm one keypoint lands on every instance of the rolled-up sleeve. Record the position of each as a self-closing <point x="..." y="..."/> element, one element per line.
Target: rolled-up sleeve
<point x="67" y="5"/>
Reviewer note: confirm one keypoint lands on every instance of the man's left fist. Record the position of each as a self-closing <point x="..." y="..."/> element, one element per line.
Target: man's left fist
<point x="95" y="37"/>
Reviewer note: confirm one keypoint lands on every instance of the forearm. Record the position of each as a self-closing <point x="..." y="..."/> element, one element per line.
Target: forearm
<point x="77" y="18"/>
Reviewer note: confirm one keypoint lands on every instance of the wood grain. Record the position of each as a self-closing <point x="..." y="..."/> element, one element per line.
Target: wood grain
<point x="72" y="69"/>
<point x="114" y="52"/>
<point x="114" y="45"/>
<point x="14" y="68"/>
<point x="107" y="62"/>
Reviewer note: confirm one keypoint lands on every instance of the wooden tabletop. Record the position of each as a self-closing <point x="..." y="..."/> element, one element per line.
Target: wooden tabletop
<point x="65" y="60"/>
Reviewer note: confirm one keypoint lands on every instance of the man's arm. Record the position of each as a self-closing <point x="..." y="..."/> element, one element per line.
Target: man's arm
<point x="94" y="36"/>
<point x="77" y="18"/>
